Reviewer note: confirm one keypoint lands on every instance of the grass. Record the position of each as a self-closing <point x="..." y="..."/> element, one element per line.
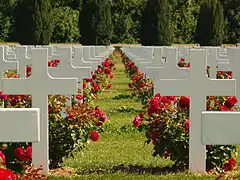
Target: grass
<point x="121" y="153"/>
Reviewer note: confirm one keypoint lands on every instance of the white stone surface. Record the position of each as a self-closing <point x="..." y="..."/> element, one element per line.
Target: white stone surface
<point x="40" y="85"/>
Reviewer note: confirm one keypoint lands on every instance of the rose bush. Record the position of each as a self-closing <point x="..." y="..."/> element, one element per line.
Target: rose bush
<point x="70" y="127"/>
<point x="100" y="80"/>
<point x="142" y="87"/>
<point x="29" y="171"/>
<point x="166" y="121"/>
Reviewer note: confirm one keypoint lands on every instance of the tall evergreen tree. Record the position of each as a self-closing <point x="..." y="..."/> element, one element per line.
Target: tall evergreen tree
<point x="148" y="24"/>
<point x="95" y="22"/>
<point x="34" y="22"/>
<point x="155" y="27"/>
<point x="163" y="29"/>
<point x="210" y="26"/>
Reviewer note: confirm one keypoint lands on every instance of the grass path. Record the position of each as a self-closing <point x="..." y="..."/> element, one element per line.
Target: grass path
<point x="120" y="153"/>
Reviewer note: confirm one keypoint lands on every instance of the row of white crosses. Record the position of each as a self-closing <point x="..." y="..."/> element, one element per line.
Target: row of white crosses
<point x="31" y="124"/>
<point x="72" y="65"/>
<point x="206" y="128"/>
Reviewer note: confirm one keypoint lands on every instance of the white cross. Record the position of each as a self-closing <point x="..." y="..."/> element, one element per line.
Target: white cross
<point x="168" y="70"/>
<point x="21" y="125"/>
<point x="78" y="59"/>
<point x="6" y="65"/>
<point x="23" y="60"/>
<point x="66" y="69"/>
<point x="88" y="54"/>
<point x="40" y="85"/>
<point x="214" y="60"/>
<point x="87" y="57"/>
<point x="197" y="86"/>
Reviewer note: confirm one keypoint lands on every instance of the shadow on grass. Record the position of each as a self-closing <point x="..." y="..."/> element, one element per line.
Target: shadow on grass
<point x="132" y="169"/>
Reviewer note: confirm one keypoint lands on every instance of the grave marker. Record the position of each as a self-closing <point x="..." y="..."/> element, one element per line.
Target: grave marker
<point x="197" y="86"/>
<point x="21" y="125"/>
<point x="40" y="85"/>
<point x="6" y="65"/>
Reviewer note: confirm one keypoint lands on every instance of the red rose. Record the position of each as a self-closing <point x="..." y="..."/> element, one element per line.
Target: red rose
<point x="29" y="151"/>
<point x="186" y="125"/>
<point x="142" y="85"/>
<point x="184" y="102"/>
<point x="232" y="161"/>
<point x="94" y="135"/>
<point x="107" y="71"/>
<point x="230" y="74"/>
<point x="54" y="65"/>
<point x="137" y="121"/>
<point x="94" y="76"/>
<point x="2" y="158"/>
<point x="21" y="154"/>
<point x="88" y="79"/>
<point x="228" y="166"/>
<point x="79" y="97"/>
<point x="6" y="174"/>
<point x="231" y="101"/>
<point x="57" y="61"/>
<point x="109" y="86"/>
<point x="29" y="69"/>
<point x="182" y="59"/>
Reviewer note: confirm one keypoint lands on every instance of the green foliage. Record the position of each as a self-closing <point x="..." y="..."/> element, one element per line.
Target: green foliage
<point x="163" y="30"/>
<point x="65" y="22"/>
<point x="34" y="22"/>
<point x="232" y="14"/>
<point x="210" y="26"/>
<point x="184" y="20"/>
<point x="104" y="28"/>
<point x="155" y="27"/>
<point x="5" y="24"/>
<point x="127" y="16"/>
<point x="74" y="4"/>
<point x="96" y="23"/>
<point x="148" y="24"/>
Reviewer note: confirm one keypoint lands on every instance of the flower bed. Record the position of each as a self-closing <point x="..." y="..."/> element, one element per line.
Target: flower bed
<point x="70" y="127"/>
<point x="166" y="120"/>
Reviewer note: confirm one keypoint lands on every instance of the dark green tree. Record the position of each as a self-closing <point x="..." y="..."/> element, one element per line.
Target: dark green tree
<point x="232" y="13"/>
<point x="163" y="29"/>
<point x="148" y="24"/>
<point x="155" y="26"/>
<point x="210" y="26"/>
<point x="95" y="22"/>
<point x="34" y="22"/>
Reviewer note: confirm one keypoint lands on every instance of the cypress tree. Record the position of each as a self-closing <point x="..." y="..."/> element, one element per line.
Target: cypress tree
<point x="210" y="26"/>
<point x="148" y="24"/>
<point x="95" y="22"/>
<point x="155" y="25"/>
<point x="34" y="22"/>
<point x="163" y="29"/>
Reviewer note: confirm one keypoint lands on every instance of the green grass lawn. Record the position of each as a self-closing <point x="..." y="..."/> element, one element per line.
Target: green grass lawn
<point x="121" y="153"/>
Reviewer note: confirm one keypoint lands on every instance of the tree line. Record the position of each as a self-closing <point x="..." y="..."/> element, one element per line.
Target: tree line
<point x="101" y="22"/>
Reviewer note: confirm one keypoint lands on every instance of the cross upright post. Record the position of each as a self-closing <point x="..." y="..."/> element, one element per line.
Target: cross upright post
<point x="40" y="85"/>
<point x="197" y="86"/>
